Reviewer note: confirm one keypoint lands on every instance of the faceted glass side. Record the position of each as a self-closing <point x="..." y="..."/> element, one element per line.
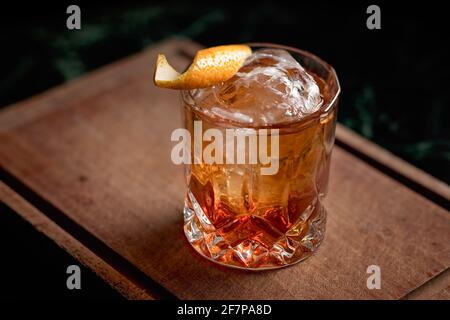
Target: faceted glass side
<point x="236" y="216"/>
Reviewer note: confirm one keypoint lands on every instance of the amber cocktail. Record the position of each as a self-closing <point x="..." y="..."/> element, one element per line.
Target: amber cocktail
<point x="234" y="214"/>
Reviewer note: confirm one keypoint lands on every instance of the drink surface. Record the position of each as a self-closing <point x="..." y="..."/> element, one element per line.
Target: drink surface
<point x="271" y="88"/>
<point x="235" y="215"/>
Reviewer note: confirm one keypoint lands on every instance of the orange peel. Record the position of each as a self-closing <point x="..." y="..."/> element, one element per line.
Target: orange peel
<point x="210" y="66"/>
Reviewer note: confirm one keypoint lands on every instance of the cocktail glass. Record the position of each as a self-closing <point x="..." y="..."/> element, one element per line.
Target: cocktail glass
<point x="236" y="216"/>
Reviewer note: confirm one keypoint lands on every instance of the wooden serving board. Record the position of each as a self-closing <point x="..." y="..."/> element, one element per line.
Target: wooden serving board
<point x="88" y="164"/>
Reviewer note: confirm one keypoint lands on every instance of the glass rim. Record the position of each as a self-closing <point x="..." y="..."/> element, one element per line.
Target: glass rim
<point x="322" y="111"/>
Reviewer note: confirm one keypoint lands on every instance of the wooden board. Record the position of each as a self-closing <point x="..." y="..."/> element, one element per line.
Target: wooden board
<point x="416" y="179"/>
<point x="437" y="288"/>
<point x="94" y="157"/>
<point x="43" y="224"/>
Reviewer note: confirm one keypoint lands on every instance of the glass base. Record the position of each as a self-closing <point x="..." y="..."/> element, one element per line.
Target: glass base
<point x="252" y="253"/>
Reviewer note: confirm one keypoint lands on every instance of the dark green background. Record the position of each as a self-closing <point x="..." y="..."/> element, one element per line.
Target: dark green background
<point x="394" y="80"/>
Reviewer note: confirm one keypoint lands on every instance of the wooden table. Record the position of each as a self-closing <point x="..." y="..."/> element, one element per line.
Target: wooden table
<point x="88" y="164"/>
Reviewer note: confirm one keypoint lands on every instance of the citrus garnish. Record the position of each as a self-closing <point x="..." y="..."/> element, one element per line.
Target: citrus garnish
<point x="210" y="66"/>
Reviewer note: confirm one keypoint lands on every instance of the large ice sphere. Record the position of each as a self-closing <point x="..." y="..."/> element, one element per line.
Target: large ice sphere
<point x="271" y="87"/>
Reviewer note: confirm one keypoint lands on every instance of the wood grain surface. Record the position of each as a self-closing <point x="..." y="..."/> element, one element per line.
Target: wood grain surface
<point x="43" y="224"/>
<point x="437" y="288"/>
<point x="94" y="155"/>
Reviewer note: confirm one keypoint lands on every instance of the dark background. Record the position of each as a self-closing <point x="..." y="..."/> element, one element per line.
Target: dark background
<point x="394" y="80"/>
